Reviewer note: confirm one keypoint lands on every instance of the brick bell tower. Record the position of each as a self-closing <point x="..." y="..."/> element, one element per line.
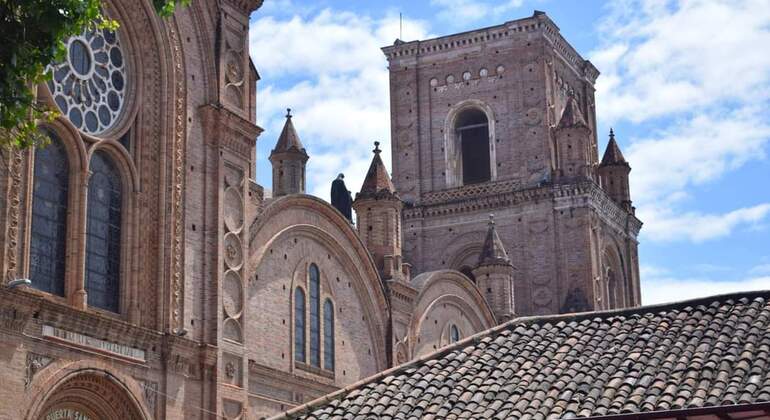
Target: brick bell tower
<point x="502" y="120"/>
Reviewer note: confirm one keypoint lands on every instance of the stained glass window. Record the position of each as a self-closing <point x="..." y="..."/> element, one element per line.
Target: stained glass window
<point x="328" y="335"/>
<point x="299" y="325"/>
<point x="49" y="218"/>
<point x="315" y="316"/>
<point x="105" y="199"/>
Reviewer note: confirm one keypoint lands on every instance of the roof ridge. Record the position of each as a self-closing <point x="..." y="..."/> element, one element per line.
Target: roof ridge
<point x="496" y="330"/>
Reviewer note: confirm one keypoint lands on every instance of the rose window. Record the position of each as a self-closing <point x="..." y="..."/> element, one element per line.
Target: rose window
<point x="89" y="85"/>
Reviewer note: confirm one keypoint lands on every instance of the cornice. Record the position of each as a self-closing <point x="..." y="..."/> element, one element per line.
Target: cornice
<point x="492" y="196"/>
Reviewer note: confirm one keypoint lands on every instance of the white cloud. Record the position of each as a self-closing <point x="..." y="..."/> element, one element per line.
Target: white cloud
<point x="682" y="56"/>
<point x="660" y="285"/>
<point x="340" y="100"/>
<point x="762" y="269"/>
<point x="676" y="289"/>
<point x="460" y="12"/>
<point x="698" y="227"/>
<point x="667" y="64"/>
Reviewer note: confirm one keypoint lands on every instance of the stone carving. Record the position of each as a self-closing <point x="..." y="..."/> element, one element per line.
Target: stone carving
<point x="542" y="296"/>
<point x="233" y="210"/>
<point x="230" y="370"/>
<point x="232" y="410"/>
<point x="232" y="301"/>
<point x="14" y="202"/>
<point x="13" y="319"/>
<point x="35" y="363"/>
<point x="233" y="251"/>
<point x="232" y="330"/>
<point x="178" y="178"/>
<point x="150" y="389"/>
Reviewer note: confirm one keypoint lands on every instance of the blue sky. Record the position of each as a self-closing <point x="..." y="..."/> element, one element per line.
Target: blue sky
<point x="685" y="84"/>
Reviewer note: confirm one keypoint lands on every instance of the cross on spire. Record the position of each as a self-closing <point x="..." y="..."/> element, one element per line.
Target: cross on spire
<point x="288" y="113"/>
<point x="377" y="148"/>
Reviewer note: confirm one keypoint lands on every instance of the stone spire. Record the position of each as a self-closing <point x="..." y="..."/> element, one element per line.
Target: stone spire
<point x="493" y="251"/>
<point x="377" y="183"/>
<point x="494" y="275"/>
<point x="613" y="174"/>
<point x="571" y="117"/>
<point x="378" y="218"/>
<point x="573" y="144"/>
<point x="288" y="159"/>
<point x="289" y="141"/>
<point x="613" y="155"/>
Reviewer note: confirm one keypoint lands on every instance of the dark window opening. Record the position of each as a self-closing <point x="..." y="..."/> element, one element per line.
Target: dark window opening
<point x="468" y="273"/>
<point x="315" y="316"/>
<point x="49" y="218"/>
<point x="299" y="325"/>
<point x="473" y="131"/>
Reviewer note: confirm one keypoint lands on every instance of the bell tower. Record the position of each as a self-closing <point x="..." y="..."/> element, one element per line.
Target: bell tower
<point x="503" y="120"/>
<point x="288" y="159"/>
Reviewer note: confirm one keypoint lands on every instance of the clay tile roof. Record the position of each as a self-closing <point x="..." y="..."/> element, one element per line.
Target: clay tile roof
<point x="572" y="117"/>
<point x="288" y="141"/>
<point x="612" y="155"/>
<point x="377" y="182"/>
<point x="700" y="354"/>
<point x="493" y="251"/>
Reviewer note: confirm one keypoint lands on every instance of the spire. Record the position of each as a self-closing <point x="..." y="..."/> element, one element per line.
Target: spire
<point x="288" y="141"/>
<point x="377" y="182"/>
<point x="572" y="117"/>
<point x="612" y="155"/>
<point x="493" y="251"/>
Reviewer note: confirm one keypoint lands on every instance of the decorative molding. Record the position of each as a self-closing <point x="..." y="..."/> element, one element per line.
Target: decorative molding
<point x="177" y="182"/>
<point x="13" y="220"/>
<point x="492" y="196"/>
<point x="13" y="319"/>
<point x="85" y="341"/>
<point x="35" y="363"/>
<point x="150" y="393"/>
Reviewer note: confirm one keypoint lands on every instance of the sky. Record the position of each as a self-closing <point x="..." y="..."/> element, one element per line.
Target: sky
<point x="684" y="83"/>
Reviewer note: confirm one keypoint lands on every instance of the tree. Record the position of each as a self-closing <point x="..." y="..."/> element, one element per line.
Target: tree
<point x="33" y="34"/>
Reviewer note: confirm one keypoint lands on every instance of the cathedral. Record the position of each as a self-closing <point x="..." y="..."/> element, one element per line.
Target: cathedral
<point x="146" y="275"/>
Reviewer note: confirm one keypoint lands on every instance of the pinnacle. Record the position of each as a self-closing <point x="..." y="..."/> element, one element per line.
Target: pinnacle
<point x="572" y="117"/>
<point x="377" y="181"/>
<point x="289" y="139"/>
<point x="613" y="155"/>
<point x="493" y="251"/>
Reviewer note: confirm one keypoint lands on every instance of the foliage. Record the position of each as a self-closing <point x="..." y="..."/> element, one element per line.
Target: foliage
<point x="33" y="35"/>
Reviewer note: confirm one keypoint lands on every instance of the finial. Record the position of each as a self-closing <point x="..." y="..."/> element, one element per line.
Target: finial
<point x="288" y="112"/>
<point x="612" y="134"/>
<point x="377" y="148"/>
<point x="491" y="219"/>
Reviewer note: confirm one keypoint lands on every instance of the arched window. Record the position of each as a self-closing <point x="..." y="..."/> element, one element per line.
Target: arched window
<point x="299" y="325"/>
<point x="105" y="201"/>
<point x="454" y="334"/>
<point x="473" y="133"/>
<point x="49" y="218"/>
<point x="328" y="335"/>
<point x="315" y="316"/>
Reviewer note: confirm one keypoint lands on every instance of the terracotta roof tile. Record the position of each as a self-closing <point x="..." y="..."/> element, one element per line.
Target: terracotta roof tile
<point x="691" y="355"/>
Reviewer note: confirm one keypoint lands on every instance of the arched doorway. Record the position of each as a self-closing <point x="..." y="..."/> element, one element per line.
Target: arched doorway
<point x="90" y="395"/>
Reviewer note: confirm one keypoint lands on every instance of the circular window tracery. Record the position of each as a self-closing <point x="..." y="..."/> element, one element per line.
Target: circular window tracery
<point x="89" y="85"/>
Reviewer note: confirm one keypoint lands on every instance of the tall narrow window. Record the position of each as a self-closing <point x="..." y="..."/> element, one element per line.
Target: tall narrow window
<point x="315" y="316"/>
<point x="328" y="335"/>
<point x="299" y="325"/>
<point x="473" y="131"/>
<point x="105" y="200"/>
<point x="49" y="218"/>
<point x="454" y="334"/>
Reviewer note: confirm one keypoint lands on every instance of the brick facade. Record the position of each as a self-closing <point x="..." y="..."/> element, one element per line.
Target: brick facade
<point x="215" y="280"/>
